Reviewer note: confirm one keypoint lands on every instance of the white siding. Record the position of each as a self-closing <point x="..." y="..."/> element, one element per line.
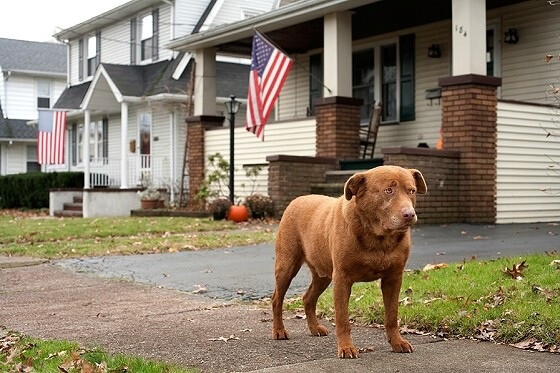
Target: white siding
<point x="528" y="179"/>
<point x="525" y="75"/>
<point x="291" y="138"/>
<point x="187" y="14"/>
<point x="21" y="101"/>
<point x="73" y="47"/>
<point x="115" y="43"/>
<point x="15" y="158"/>
<point x="232" y="11"/>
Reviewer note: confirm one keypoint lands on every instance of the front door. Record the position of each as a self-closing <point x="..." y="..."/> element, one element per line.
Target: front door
<point x="145" y="144"/>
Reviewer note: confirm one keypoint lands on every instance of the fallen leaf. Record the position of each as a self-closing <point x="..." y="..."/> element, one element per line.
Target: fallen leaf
<point x="300" y="316"/>
<point x="486" y="331"/>
<point x="480" y="238"/>
<point x="548" y="294"/>
<point x="405" y="301"/>
<point x="516" y="271"/>
<point x="241" y="292"/>
<point x="201" y="290"/>
<point x="555" y="263"/>
<point x="429" y="267"/>
<point x="548" y="57"/>
<point x="225" y="339"/>
<point x="365" y="349"/>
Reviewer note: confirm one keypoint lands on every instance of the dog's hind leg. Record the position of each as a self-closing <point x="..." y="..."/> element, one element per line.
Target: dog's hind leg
<point x="288" y="263"/>
<point x="317" y="287"/>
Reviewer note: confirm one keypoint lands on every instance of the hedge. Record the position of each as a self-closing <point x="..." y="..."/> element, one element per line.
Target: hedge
<point x="32" y="190"/>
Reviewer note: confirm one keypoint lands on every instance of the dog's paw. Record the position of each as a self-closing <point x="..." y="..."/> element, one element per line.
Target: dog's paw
<point x="401" y="345"/>
<point x="347" y="352"/>
<point x="280" y="334"/>
<point x="319" y="331"/>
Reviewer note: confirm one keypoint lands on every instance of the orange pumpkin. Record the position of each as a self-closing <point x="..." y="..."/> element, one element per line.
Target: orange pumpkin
<point x="238" y="213"/>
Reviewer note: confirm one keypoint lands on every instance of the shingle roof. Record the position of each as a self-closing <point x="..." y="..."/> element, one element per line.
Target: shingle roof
<point x="16" y="128"/>
<point x="156" y="78"/>
<point x="72" y="97"/>
<point x="32" y="56"/>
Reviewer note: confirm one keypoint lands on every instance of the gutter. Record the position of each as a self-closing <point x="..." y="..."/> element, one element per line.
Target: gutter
<point x="37" y="73"/>
<point x="285" y="16"/>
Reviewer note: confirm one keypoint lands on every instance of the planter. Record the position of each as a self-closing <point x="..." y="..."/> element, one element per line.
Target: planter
<point x="149" y="204"/>
<point x="238" y="213"/>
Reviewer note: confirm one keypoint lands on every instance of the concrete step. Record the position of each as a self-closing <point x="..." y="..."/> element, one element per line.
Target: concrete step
<point x="73" y="207"/>
<point x="328" y="189"/>
<point x="339" y="176"/>
<point x="69" y="214"/>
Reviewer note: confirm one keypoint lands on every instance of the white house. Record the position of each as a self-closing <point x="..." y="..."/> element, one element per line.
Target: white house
<point x="471" y="71"/>
<point x="128" y="95"/>
<point x="32" y="76"/>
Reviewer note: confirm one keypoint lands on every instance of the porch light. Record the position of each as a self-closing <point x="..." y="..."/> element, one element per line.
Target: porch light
<point x="510" y="36"/>
<point x="434" y="51"/>
<point x="232" y="107"/>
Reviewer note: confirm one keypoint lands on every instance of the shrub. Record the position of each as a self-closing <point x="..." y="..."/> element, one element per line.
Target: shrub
<point x="260" y="206"/>
<point x="219" y="208"/>
<point x="32" y="190"/>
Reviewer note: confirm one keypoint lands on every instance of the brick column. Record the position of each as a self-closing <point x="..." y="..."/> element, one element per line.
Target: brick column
<point x="196" y="126"/>
<point x="338" y="127"/>
<point x="292" y="176"/>
<point x="469" y="125"/>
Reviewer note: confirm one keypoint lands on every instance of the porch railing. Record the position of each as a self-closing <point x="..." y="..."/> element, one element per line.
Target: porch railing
<point x="141" y="170"/>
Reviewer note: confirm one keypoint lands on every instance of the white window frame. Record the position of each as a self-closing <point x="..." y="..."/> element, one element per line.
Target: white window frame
<point x="90" y="46"/>
<point x="95" y="143"/>
<point x="376" y="46"/>
<point x="142" y="37"/>
<point x="31" y="159"/>
<point x="41" y="95"/>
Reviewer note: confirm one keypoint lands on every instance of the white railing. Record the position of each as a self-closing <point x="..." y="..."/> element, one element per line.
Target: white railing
<point x="143" y="169"/>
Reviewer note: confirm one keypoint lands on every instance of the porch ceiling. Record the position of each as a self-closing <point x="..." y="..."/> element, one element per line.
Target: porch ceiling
<point x="368" y="20"/>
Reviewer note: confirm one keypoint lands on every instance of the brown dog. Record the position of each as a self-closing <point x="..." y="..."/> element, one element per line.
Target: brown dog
<point x="361" y="236"/>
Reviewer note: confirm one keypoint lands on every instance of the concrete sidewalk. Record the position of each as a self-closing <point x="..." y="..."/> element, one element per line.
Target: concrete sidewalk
<point x="48" y="301"/>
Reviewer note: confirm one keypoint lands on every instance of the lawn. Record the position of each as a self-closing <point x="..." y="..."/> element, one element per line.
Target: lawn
<point x="56" y="238"/>
<point x="473" y="299"/>
<point x="25" y="354"/>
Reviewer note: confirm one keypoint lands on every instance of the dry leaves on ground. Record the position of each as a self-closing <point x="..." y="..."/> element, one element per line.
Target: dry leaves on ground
<point x="429" y="267"/>
<point x="516" y="271"/>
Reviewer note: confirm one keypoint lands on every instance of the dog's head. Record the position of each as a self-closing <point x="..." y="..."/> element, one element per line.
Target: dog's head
<point x="386" y="195"/>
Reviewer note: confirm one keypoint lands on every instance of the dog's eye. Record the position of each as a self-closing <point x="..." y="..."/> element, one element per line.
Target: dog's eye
<point x="412" y="191"/>
<point x="389" y="190"/>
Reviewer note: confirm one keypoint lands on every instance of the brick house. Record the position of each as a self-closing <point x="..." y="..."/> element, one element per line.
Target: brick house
<point x="470" y="71"/>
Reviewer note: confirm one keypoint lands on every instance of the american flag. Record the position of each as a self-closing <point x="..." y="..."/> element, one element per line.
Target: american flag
<point x="269" y="70"/>
<point x="50" y="144"/>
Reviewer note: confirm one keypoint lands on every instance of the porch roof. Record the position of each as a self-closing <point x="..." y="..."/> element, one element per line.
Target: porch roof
<point x="142" y="81"/>
<point x="16" y="129"/>
<point x="298" y="27"/>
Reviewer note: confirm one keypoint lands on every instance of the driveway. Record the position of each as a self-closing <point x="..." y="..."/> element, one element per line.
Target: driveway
<point x="247" y="272"/>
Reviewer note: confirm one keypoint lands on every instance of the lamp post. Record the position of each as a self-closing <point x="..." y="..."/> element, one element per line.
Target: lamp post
<point x="232" y="106"/>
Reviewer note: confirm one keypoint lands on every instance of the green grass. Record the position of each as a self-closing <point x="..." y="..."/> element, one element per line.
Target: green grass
<point x="17" y="353"/>
<point x="53" y="238"/>
<point x="458" y="299"/>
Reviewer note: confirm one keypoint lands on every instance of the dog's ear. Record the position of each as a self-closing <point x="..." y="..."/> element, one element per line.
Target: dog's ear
<point x="421" y="187"/>
<point x="353" y="185"/>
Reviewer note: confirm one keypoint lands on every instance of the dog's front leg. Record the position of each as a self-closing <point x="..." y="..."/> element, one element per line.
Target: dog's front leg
<point x="390" y="287"/>
<point x="342" y="288"/>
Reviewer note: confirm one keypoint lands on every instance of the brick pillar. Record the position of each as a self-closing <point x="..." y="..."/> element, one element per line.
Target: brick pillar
<point x="469" y="125"/>
<point x="338" y="127"/>
<point x="196" y="126"/>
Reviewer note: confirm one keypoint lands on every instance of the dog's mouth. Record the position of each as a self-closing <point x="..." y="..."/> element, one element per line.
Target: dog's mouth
<point x="396" y="224"/>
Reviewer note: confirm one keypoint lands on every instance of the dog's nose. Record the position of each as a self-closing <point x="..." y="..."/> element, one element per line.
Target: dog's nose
<point x="408" y="213"/>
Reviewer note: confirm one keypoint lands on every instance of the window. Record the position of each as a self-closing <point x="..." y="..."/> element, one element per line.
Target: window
<point x="385" y="73"/>
<point x="97" y="142"/>
<point x="363" y="80"/>
<point x="43" y="94"/>
<point x="91" y="55"/>
<point x="32" y="164"/>
<point x="147" y="37"/>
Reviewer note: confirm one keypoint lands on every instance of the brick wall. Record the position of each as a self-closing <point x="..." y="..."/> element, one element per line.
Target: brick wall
<point x="196" y="126"/>
<point x="469" y="105"/>
<point x="338" y="126"/>
<point x="292" y="176"/>
<point x="440" y="169"/>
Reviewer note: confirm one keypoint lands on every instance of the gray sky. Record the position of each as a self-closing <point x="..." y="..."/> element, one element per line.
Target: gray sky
<point x="38" y="20"/>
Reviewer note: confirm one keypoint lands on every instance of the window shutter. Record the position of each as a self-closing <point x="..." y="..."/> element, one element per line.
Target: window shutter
<point x="81" y="59"/>
<point x="105" y="138"/>
<point x="315" y="79"/>
<point x="133" y="33"/>
<point x="406" y="50"/>
<point x="74" y="143"/>
<point x="155" y="35"/>
<point x="97" y="48"/>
